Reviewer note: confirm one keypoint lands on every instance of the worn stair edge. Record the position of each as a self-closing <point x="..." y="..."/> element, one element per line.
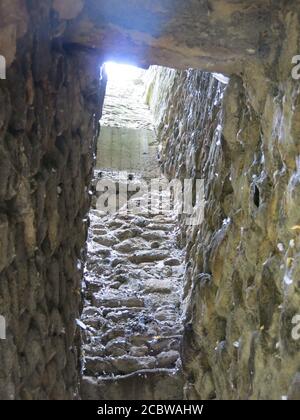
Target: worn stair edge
<point x="152" y="384"/>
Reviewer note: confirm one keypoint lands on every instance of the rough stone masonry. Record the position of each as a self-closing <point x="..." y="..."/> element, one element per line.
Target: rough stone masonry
<point x="133" y="281"/>
<point x="242" y="286"/>
<point x="50" y="107"/>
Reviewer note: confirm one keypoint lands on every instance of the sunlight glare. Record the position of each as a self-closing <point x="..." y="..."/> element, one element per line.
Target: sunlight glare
<point x="119" y="73"/>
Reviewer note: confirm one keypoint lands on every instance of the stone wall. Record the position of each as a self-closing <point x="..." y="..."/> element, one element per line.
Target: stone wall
<point x="242" y="285"/>
<point x="242" y="278"/>
<point x="49" y="112"/>
<point x="214" y="35"/>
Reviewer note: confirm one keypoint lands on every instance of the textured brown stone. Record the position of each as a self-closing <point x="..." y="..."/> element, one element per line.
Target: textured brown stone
<point x="68" y="9"/>
<point x="13" y="25"/>
<point x="242" y="277"/>
<point x="46" y="149"/>
<point x="242" y="286"/>
<point x="215" y="35"/>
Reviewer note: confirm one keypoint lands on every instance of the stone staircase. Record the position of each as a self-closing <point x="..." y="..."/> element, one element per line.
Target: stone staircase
<point x="131" y="321"/>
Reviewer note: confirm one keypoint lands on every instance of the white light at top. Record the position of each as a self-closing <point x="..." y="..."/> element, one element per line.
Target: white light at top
<point x="119" y="73"/>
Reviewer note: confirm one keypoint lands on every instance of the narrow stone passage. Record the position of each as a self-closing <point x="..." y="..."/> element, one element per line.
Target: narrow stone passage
<point x="131" y="321"/>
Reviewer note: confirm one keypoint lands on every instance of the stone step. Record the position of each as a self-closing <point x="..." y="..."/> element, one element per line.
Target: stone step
<point x="154" y="235"/>
<point x="115" y="302"/>
<point x="120" y="314"/>
<point x="118" y="363"/>
<point x="133" y="335"/>
<point x="165" y="227"/>
<point x="148" y="256"/>
<point x="155" y="345"/>
<point x="151" y="385"/>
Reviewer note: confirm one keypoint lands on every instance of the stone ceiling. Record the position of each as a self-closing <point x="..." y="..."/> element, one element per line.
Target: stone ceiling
<point x="214" y="35"/>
